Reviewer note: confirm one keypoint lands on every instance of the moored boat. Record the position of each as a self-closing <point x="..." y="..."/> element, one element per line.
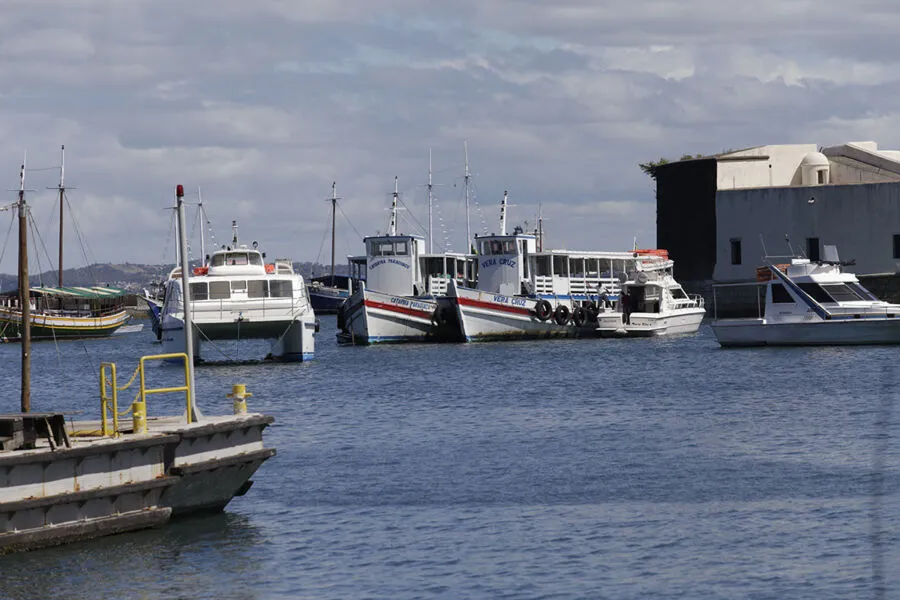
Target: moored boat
<point x="397" y="302"/>
<point x="235" y="296"/>
<point x="812" y="303"/>
<point x="651" y="302"/>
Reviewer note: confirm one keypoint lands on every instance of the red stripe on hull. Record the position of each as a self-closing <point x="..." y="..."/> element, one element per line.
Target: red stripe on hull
<point x="398" y="309"/>
<point x="518" y="310"/>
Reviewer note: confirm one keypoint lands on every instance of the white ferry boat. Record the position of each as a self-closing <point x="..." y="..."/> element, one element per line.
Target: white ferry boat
<point x="397" y="302"/>
<point x="813" y="303"/>
<point x="652" y="302"/>
<point x="524" y="292"/>
<point x="236" y="295"/>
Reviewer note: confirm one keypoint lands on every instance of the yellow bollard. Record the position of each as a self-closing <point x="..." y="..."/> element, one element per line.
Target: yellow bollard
<point x="240" y="394"/>
<point x="139" y="417"/>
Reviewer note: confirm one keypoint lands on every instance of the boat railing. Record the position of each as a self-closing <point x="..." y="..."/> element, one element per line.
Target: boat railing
<point x="109" y="394"/>
<point x="252" y="306"/>
<point x="577" y="285"/>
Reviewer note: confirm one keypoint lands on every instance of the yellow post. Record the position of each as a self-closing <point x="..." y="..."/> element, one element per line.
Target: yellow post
<point x="240" y="394"/>
<point x="139" y="416"/>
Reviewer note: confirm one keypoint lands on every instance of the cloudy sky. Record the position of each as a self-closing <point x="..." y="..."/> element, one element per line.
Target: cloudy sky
<point x="263" y="103"/>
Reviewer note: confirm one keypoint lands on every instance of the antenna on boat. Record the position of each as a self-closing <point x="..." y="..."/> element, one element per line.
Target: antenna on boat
<point x="503" y="212"/>
<point x="787" y="240"/>
<point x="202" y="226"/>
<point x="186" y="300"/>
<point x="62" y="200"/>
<point x="234" y="228"/>
<point x="430" y="201"/>
<point x="392" y="229"/>
<point x="762" y="243"/>
<point x="467" y="177"/>
<point x="540" y="228"/>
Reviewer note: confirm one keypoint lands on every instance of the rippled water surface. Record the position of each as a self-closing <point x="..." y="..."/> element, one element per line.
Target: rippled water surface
<point x="619" y="469"/>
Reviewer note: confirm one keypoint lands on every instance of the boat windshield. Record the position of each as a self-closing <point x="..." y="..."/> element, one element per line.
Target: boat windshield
<point x="843" y="293"/>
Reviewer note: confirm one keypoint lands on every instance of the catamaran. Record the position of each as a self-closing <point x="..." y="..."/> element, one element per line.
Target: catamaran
<point x="236" y="295"/>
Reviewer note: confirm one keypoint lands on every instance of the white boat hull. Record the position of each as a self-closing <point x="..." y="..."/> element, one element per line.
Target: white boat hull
<point x="485" y="316"/>
<point x="681" y="321"/>
<point x="758" y="332"/>
<point x="375" y="318"/>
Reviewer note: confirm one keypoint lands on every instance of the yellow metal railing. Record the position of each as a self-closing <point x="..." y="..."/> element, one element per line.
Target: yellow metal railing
<point x="109" y="390"/>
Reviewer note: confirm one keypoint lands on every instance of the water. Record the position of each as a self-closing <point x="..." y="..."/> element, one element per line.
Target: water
<point x="620" y="469"/>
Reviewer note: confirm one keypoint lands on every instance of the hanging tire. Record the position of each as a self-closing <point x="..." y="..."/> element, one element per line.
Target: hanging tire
<point x="579" y="316"/>
<point x="561" y="314"/>
<point x="592" y="312"/>
<point x="543" y="310"/>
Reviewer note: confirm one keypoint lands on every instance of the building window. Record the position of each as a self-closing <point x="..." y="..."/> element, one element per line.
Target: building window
<point x="812" y="249"/>
<point x="897" y="245"/>
<point x="735" y="251"/>
<point x="821" y="176"/>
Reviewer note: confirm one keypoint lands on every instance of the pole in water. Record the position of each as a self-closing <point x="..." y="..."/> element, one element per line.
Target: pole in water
<point x="24" y="294"/>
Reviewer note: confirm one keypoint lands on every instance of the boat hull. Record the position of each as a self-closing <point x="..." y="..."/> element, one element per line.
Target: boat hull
<point x="52" y="327"/>
<point x="374" y="318"/>
<point x="680" y="322"/>
<point x="485" y="316"/>
<point x="758" y="332"/>
<point x="327" y="300"/>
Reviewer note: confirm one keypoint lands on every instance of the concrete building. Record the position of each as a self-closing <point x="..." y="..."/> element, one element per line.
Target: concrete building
<point x="720" y="215"/>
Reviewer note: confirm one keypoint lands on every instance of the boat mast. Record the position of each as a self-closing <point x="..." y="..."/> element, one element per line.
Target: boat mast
<point x="62" y="200"/>
<point x="24" y="294"/>
<point x="234" y="235"/>
<point x="430" y="201"/>
<point x="468" y="233"/>
<point x="186" y="298"/>
<point x="392" y="230"/>
<point x="334" y="200"/>
<point x="540" y="229"/>
<point x="503" y="213"/>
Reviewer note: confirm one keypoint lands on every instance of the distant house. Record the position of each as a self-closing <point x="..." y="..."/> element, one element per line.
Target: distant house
<point x="719" y="215"/>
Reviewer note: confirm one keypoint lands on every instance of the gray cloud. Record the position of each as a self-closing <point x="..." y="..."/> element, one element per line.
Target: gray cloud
<point x="264" y="104"/>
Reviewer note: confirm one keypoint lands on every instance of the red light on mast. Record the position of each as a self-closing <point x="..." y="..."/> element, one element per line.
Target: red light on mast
<point x="179" y="191"/>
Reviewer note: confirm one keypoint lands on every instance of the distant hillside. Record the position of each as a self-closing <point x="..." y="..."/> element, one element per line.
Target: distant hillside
<point x="133" y="276"/>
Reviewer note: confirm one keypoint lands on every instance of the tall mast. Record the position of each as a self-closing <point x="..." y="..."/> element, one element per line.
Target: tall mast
<point x="202" y="227"/>
<point x="540" y="229"/>
<point x="24" y="294"/>
<point x="186" y="298"/>
<point x="62" y="201"/>
<point x="234" y="228"/>
<point x="334" y="200"/>
<point x="392" y="230"/>
<point x="503" y="213"/>
<point x="430" y="201"/>
<point x="468" y="233"/>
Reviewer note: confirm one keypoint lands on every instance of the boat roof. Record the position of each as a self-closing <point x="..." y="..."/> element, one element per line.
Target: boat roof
<point x="79" y="291"/>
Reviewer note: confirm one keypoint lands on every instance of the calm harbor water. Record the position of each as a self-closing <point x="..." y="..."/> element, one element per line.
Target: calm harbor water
<point x="620" y="469"/>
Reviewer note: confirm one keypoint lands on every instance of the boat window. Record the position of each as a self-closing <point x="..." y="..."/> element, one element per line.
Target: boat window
<point x="780" y="295"/>
<point x="863" y="292"/>
<point x="509" y="247"/>
<point x="678" y="294"/>
<point x="237" y="258"/>
<point x="384" y="249"/>
<point x="400" y="249"/>
<point x="238" y="286"/>
<point x="542" y="265"/>
<point x="219" y="290"/>
<point x="842" y="293"/>
<point x="256" y="288"/>
<point x="256" y="259"/>
<point x="496" y="247"/>
<point x="281" y="288"/>
<point x="561" y="266"/>
<point x="199" y="291"/>
<point x="816" y="291"/>
<point x="218" y="260"/>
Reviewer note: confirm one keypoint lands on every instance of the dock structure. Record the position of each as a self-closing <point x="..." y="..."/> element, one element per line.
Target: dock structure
<point x="68" y="482"/>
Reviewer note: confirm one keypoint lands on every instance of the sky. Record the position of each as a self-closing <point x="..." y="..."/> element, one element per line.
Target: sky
<point x="263" y="105"/>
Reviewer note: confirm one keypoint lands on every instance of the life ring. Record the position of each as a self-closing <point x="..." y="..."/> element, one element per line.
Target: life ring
<point x="270" y="268"/>
<point x="561" y="314"/>
<point x="543" y="310"/>
<point x="201" y="270"/>
<point x="592" y="312"/>
<point x="579" y="315"/>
